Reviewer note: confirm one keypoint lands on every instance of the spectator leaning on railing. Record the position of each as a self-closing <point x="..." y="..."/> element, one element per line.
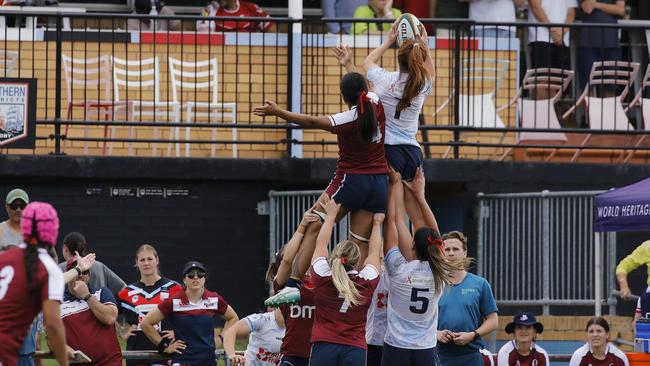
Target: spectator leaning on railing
<point x="143" y="7"/>
<point x="639" y="257"/>
<point x="377" y="9"/>
<point x="234" y="8"/>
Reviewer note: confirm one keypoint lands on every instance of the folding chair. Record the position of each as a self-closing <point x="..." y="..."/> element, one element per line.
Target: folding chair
<point x="601" y="109"/>
<point x="142" y="78"/>
<point x="196" y="77"/>
<point x="644" y="104"/>
<point x="539" y="113"/>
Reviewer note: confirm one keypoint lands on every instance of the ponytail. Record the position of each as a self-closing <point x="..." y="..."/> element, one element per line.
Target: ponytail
<point x="411" y="57"/>
<point x="344" y="258"/>
<point x="354" y="90"/>
<point x="31" y="262"/>
<point x="429" y="247"/>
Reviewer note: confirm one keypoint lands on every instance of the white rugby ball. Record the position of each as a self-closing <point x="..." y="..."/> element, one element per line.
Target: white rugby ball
<point x="407" y="28"/>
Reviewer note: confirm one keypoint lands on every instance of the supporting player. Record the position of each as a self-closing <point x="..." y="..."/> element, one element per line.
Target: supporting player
<point x="30" y="281"/>
<point x="417" y="271"/>
<point x="402" y="94"/>
<point x="342" y="295"/>
<point x="360" y="183"/>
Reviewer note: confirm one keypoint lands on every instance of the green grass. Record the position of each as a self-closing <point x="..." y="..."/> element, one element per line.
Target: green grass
<point x="240" y="345"/>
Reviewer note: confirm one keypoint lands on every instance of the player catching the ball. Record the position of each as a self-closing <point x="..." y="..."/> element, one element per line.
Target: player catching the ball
<point x="402" y="93"/>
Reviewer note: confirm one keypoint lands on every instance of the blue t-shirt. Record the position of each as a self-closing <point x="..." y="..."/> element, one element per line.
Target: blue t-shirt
<point x="29" y="344"/>
<point x="462" y="308"/>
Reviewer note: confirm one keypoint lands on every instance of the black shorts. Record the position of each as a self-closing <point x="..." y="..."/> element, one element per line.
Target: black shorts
<point x="331" y="354"/>
<point x="294" y="361"/>
<point x="545" y="54"/>
<point x="373" y="358"/>
<point x="405" y="159"/>
<point x="360" y="191"/>
<point x="409" y="357"/>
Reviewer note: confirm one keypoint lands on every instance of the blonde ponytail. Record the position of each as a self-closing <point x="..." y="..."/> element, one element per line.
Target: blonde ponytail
<point x="344" y="257"/>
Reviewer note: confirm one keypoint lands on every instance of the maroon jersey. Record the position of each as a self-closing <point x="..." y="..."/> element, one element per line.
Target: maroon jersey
<point x="84" y="332"/>
<point x="338" y="321"/>
<point x="584" y="357"/>
<point x="298" y="321"/>
<point x="355" y="155"/>
<point x="18" y="305"/>
<point x="509" y="354"/>
<point x="244" y="9"/>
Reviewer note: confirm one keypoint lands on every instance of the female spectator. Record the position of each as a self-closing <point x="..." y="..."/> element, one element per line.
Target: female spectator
<point x="523" y="350"/>
<point x="361" y="165"/>
<point x="402" y="95"/>
<point x="265" y="332"/>
<point x="598" y="351"/>
<point x="376" y="9"/>
<point x="100" y="274"/>
<point x="342" y="295"/>
<point x="191" y="315"/>
<point x="418" y="271"/>
<point x="30" y="281"/>
<point x="138" y="298"/>
<point x="467" y="310"/>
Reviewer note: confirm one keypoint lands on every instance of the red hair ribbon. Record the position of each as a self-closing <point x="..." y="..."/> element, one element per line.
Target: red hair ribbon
<point x="363" y="97"/>
<point x="344" y="260"/>
<point x="436" y="242"/>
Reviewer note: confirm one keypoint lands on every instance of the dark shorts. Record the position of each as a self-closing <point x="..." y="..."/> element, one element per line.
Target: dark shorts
<point x="545" y="54"/>
<point x="294" y="361"/>
<point x="405" y="159"/>
<point x="330" y="354"/>
<point x="468" y="359"/>
<point x="373" y="358"/>
<point x="360" y="191"/>
<point x="409" y="357"/>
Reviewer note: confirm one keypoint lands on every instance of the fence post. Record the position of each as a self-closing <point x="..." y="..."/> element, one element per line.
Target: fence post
<point x="479" y="235"/>
<point x="546" y="247"/>
<point x="58" y="93"/>
<point x="457" y="67"/>
<point x="294" y="48"/>
<point x="611" y="268"/>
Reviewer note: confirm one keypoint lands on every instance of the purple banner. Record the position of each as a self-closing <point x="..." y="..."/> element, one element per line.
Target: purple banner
<point x="624" y="209"/>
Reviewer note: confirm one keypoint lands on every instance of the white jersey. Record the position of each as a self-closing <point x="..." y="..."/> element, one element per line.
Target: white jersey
<point x="377" y="313"/>
<point x="264" y="340"/>
<point x="401" y="129"/>
<point x="412" y="304"/>
<point x="613" y="356"/>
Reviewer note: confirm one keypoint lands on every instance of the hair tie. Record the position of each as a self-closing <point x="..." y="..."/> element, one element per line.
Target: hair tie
<point x="363" y="97"/>
<point x="416" y="45"/>
<point x="344" y="260"/>
<point x="436" y="242"/>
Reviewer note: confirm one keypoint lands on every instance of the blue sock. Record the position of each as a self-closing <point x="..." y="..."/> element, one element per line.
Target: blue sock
<point x="292" y="282"/>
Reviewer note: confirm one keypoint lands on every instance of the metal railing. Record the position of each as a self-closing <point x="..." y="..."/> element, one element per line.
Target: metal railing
<point x="473" y="110"/>
<point x="537" y="249"/>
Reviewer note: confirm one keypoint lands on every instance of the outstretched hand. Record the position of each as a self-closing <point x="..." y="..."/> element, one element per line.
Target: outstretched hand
<point x="378" y="218"/>
<point x="84" y="263"/>
<point x="343" y="54"/>
<point x="416" y="186"/>
<point x="269" y="108"/>
<point x="331" y="208"/>
<point x="308" y="217"/>
<point x="394" y="177"/>
<point x="392" y="35"/>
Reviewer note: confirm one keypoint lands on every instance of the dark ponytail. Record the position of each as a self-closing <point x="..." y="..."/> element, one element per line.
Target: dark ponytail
<point x="76" y="242"/>
<point x="429" y="247"/>
<point x="31" y="256"/>
<point x="354" y="90"/>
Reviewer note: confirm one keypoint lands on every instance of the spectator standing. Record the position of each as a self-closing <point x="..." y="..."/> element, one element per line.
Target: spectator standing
<point x="523" y="350"/>
<point x="143" y="7"/>
<point x="340" y="9"/>
<point x="89" y="317"/>
<point x="639" y="257"/>
<point x="138" y="298"/>
<point x="598" y="44"/>
<point x="549" y="46"/>
<point x="10" y="233"/>
<point x="598" y="351"/>
<point x="448" y="9"/>
<point x="468" y="311"/>
<point x="234" y="8"/>
<point x="489" y="11"/>
<point x="376" y="9"/>
<point x="100" y="276"/>
<point x="191" y="315"/>
<point x="31" y="282"/>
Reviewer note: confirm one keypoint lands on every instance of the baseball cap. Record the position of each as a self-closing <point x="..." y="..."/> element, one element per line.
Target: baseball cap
<point x="15" y="194"/>
<point x="193" y="265"/>
<point x="524" y="318"/>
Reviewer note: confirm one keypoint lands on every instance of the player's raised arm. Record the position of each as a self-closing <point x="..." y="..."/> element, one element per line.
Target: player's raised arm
<point x="271" y="108"/>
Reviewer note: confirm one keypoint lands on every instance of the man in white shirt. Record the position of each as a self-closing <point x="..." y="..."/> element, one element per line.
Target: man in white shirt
<point x="550" y="45"/>
<point x="490" y="11"/>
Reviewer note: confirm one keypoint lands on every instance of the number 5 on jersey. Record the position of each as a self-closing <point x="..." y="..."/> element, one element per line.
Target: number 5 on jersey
<point x="421" y="302"/>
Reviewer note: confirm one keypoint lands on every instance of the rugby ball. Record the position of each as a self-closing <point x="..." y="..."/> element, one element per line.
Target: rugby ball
<point x="407" y="28"/>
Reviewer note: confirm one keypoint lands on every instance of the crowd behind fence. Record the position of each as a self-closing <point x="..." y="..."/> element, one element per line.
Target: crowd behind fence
<point x="106" y="91"/>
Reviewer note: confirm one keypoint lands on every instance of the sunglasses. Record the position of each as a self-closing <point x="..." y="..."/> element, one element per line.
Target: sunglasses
<point x="17" y="205"/>
<point x="191" y="275"/>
